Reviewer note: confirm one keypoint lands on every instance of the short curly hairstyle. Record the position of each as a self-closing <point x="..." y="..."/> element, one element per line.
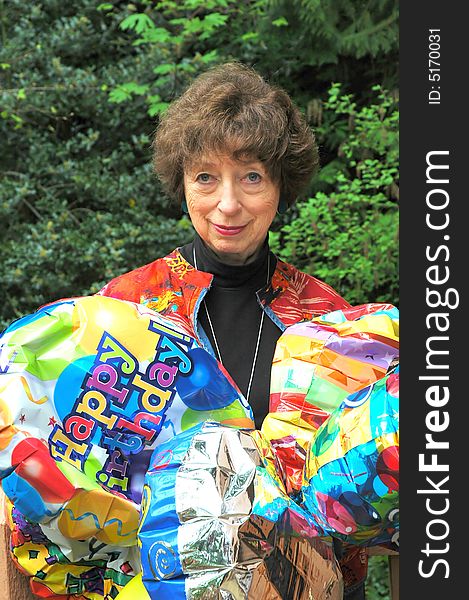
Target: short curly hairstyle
<point x="232" y="111"/>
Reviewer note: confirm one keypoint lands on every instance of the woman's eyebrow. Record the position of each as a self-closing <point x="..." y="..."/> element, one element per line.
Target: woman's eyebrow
<point x="207" y="165"/>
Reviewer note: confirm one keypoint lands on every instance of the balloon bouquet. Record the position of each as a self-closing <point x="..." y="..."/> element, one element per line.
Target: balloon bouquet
<point x="132" y="468"/>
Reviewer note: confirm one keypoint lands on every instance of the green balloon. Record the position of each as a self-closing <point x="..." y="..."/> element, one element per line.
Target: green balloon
<point x="46" y="345"/>
<point x="326" y="435"/>
<point x="193" y="417"/>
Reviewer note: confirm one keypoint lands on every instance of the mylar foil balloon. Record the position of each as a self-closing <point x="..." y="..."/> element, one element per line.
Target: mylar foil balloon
<point x="317" y="364"/>
<point x="89" y="387"/>
<point x="351" y="479"/>
<point x="217" y="523"/>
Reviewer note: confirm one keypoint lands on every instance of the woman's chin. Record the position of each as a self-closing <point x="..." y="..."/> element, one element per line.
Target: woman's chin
<point x="232" y="253"/>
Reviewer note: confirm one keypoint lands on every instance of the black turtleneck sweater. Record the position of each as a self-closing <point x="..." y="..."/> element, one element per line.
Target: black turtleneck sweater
<point x="236" y="316"/>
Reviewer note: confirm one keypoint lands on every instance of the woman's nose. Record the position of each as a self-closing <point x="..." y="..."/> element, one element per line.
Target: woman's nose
<point x="229" y="200"/>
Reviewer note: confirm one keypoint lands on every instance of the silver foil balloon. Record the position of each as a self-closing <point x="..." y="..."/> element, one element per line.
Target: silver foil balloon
<point x="217" y="523"/>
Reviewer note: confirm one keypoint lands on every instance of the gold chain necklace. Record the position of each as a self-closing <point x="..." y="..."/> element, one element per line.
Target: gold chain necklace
<point x="259" y="333"/>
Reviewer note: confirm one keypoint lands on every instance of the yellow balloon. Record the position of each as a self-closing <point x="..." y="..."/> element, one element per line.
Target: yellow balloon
<point x="134" y="590"/>
<point x="98" y="513"/>
<point x="7" y="429"/>
<point x="94" y="314"/>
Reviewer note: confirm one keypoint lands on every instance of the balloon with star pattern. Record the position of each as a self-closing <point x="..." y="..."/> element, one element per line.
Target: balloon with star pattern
<point x="89" y="387"/>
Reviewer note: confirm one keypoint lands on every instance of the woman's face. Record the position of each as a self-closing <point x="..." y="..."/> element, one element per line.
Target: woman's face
<point x="231" y="205"/>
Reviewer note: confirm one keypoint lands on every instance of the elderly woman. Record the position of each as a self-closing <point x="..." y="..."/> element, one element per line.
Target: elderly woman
<point x="233" y="151"/>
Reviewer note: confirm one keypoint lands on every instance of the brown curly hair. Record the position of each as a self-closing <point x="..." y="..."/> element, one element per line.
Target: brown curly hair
<point x="231" y="110"/>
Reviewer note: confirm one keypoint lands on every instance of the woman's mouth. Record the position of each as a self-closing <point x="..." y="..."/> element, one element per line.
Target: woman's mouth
<point x="224" y="230"/>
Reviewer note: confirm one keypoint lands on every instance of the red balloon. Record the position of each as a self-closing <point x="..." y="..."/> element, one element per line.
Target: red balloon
<point x="336" y="515"/>
<point x="387" y="467"/>
<point x="36" y="466"/>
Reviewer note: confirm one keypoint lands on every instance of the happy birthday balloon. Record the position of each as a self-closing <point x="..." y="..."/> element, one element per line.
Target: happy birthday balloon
<point x="89" y="387"/>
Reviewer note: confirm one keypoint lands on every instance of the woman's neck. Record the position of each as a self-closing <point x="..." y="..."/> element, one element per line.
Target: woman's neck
<point x="252" y="273"/>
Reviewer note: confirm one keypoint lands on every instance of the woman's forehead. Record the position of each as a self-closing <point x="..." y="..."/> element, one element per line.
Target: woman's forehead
<point x="217" y="160"/>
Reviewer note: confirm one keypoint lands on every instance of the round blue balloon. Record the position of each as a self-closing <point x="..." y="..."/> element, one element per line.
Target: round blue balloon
<point x="68" y="386"/>
<point x="205" y="387"/>
<point x="362" y="511"/>
<point x="379" y="487"/>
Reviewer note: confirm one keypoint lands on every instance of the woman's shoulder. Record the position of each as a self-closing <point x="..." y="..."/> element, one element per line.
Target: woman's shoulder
<point x="310" y="294"/>
<point x="132" y="284"/>
<point x="136" y="284"/>
<point x="162" y="276"/>
<point x="304" y="282"/>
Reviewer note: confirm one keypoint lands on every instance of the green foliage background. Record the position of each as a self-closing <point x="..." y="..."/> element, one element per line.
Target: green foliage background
<point x="83" y="84"/>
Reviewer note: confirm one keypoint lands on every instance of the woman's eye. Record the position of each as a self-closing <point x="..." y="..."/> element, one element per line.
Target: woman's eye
<point x="203" y="178"/>
<point x="253" y="177"/>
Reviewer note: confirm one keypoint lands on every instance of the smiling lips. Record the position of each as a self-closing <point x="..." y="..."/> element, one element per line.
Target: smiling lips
<point x="223" y="230"/>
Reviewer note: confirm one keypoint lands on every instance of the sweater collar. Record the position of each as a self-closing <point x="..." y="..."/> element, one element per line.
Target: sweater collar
<point x="252" y="275"/>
